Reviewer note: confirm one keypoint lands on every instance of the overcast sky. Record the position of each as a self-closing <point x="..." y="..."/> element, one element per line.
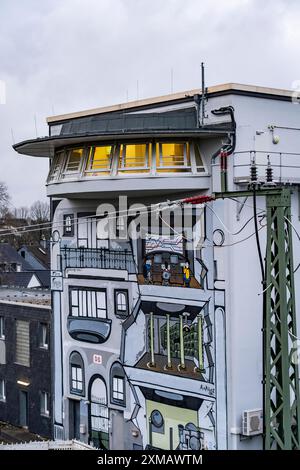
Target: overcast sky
<point x="58" y="56"/>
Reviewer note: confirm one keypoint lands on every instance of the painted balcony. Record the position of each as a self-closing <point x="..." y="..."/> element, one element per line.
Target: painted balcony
<point x="89" y="330"/>
<point x="97" y="258"/>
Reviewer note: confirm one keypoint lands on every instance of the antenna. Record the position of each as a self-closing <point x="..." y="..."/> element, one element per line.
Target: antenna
<point x="203" y="96"/>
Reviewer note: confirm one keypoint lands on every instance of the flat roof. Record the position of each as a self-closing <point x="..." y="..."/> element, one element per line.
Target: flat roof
<point x="217" y="89"/>
<point x="32" y="297"/>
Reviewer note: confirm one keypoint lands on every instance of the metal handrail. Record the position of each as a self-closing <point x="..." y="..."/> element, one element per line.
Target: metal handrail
<point x="98" y="258"/>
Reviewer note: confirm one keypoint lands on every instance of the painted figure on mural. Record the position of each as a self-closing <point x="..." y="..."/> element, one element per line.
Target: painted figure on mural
<point x="186" y="274"/>
<point x="147" y="271"/>
<point x="166" y="274"/>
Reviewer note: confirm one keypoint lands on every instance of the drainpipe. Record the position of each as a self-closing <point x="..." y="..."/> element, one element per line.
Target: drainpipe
<point x="169" y="365"/>
<point x="226" y="149"/>
<point x="182" y="361"/>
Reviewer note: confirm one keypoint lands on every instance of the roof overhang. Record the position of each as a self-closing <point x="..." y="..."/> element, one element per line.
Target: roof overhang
<point x="46" y="146"/>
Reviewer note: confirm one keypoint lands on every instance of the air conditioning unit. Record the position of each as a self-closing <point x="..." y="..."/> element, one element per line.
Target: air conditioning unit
<point x="252" y="422"/>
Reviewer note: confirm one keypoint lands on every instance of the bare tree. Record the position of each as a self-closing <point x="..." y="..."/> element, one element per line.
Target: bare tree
<point x="4" y="199"/>
<point x="40" y="212"/>
<point x="22" y="213"/>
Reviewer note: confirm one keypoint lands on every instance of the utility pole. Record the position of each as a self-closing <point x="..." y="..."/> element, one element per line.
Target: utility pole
<point x="282" y="417"/>
<point x="280" y="369"/>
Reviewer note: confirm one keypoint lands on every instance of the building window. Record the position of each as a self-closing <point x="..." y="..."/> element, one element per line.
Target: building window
<point x="44" y="336"/>
<point x="2" y="330"/>
<point x="73" y="163"/>
<point x="22" y="343"/>
<point x="56" y="165"/>
<point x="117" y="384"/>
<point x="2" y="390"/>
<point x="76" y="374"/>
<point x="68" y="225"/>
<point x="45" y="404"/>
<point x="87" y="303"/>
<point x="99" y="414"/>
<point x="99" y="160"/>
<point x="118" y="389"/>
<point x="134" y="157"/>
<point x="173" y="157"/>
<point x="121" y="303"/>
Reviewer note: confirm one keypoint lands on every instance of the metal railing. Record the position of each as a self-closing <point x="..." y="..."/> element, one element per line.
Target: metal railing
<point x="98" y="258"/>
<point x="285" y="165"/>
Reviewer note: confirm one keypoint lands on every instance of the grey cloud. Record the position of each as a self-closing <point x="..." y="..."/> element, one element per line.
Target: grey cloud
<point x="66" y="55"/>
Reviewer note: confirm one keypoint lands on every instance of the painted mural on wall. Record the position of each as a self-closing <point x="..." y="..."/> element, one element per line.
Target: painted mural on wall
<point x="138" y="349"/>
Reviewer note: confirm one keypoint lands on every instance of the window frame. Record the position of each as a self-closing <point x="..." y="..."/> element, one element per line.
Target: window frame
<point x="186" y="165"/>
<point x="121" y="313"/>
<point x="88" y="170"/>
<point x="44" y="344"/>
<point x="2" y="327"/>
<point x="75" y="363"/>
<point x="67" y="173"/>
<point x="116" y="380"/>
<point x="78" y="290"/>
<point x="121" y="158"/>
<point x="117" y="372"/>
<point x="28" y="363"/>
<point x="68" y="233"/>
<point x="45" y="404"/>
<point x="2" y="390"/>
<point x="57" y="165"/>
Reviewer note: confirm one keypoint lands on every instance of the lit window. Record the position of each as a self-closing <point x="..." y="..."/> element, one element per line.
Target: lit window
<point x="88" y="303"/>
<point x="121" y="302"/>
<point x="45" y="404"/>
<point x="73" y="163"/>
<point x="134" y="157"/>
<point x="76" y="374"/>
<point x="2" y="331"/>
<point x="2" y="390"/>
<point x="173" y="157"/>
<point x="44" y="339"/>
<point x="99" y="160"/>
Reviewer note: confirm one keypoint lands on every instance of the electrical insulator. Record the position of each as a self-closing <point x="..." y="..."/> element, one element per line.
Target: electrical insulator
<point x="269" y="172"/>
<point x="253" y="172"/>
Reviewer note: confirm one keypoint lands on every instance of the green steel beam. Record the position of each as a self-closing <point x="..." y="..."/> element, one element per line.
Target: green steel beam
<point x="281" y="374"/>
<point x="248" y="192"/>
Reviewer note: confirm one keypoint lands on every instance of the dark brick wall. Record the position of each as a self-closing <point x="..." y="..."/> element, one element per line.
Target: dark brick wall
<point x="38" y="374"/>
